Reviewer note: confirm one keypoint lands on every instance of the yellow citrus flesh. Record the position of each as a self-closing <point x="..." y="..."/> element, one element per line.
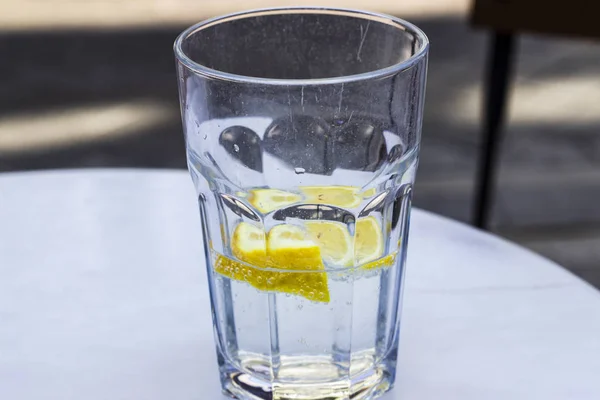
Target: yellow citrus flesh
<point x="264" y="259"/>
<point x="337" y="247"/>
<point x="340" y="196"/>
<point x="368" y="249"/>
<point x="368" y="193"/>
<point x="249" y="244"/>
<point x="267" y="200"/>
<point x="289" y="247"/>
<point x="368" y="240"/>
<point x="335" y="241"/>
<point x="286" y="247"/>
<point x="383" y="262"/>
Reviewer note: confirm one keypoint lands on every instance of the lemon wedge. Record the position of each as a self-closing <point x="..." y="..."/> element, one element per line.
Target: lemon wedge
<point x="267" y="200"/>
<point x="263" y="260"/>
<point x="369" y="193"/>
<point x="249" y="244"/>
<point x="286" y="247"/>
<point x="289" y="247"/>
<point x="340" y="196"/>
<point x="335" y="241"/>
<point x="338" y="248"/>
<point x="368" y="240"/>
<point x="383" y="262"/>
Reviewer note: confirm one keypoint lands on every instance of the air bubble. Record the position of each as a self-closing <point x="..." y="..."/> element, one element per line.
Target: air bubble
<point x="299" y="171"/>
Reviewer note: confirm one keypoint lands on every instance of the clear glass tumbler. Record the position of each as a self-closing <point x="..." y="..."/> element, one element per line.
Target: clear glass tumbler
<point x="302" y="130"/>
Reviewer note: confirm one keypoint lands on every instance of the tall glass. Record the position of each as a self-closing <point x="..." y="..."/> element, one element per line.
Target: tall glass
<point x="302" y="130"/>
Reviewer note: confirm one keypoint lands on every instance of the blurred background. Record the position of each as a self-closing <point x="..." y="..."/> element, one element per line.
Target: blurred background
<point x="92" y="84"/>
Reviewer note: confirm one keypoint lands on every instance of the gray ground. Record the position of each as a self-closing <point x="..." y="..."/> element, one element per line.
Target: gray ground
<point x="550" y="176"/>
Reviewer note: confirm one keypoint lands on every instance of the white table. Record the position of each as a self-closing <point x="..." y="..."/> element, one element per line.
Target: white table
<point x="102" y="296"/>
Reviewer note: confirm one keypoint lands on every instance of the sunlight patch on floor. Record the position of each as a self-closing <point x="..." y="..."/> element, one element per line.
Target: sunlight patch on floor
<point x="569" y="100"/>
<point x="19" y="15"/>
<point x="35" y="132"/>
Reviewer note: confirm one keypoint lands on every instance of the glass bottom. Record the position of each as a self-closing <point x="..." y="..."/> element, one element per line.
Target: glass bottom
<point x="306" y="378"/>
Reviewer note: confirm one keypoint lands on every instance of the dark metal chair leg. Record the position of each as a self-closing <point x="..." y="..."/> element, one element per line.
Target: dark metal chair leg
<point x="497" y="83"/>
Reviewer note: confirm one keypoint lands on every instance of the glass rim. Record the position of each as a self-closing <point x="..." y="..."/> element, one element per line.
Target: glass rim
<point x="366" y="15"/>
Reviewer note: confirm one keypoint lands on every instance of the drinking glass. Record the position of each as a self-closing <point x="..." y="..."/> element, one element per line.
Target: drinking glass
<point x="302" y="130"/>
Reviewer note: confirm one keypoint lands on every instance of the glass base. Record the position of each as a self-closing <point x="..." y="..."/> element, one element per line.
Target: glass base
<point x="306" y="378"/>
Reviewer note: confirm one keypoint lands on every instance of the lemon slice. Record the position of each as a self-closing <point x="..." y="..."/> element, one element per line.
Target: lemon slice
<point x="267" y="200"/>
<point x="340" y="196"/>
<point x="335" y="241"/>
<point x="368" y="193"/>
<point x="338" y="248"/>
<point x="383" y="262"/>
<point x="286" y="247"/>
<point x="368" y="249"/>
<point x="249" y="244"/>
<point x="290" y="247"/>
<point x="368" y="240"/>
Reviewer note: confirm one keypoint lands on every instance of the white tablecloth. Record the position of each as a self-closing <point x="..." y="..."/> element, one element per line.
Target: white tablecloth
<point x="103" y="296"/>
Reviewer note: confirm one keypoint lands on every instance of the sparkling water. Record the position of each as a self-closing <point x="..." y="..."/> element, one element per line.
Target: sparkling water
<point x="283" y="110"/>
<point x="312" y="350"/>
<point x="279" y="345"/>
